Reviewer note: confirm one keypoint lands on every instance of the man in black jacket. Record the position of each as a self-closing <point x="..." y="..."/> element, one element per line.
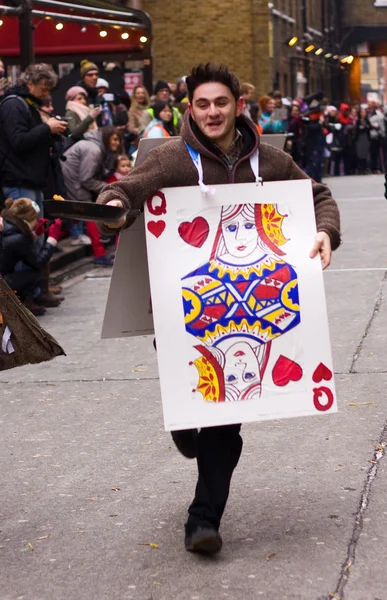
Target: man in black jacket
<point x="24" y="139"/>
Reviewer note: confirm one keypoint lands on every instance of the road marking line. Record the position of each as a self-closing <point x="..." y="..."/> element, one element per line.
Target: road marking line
<point x="354" y="270"/>
<point x="361" y="199"/>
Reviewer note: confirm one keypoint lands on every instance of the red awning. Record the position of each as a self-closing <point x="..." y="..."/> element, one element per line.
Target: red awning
<point x="79" y="32"/>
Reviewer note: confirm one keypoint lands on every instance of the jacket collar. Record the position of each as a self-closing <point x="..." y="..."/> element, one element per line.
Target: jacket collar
<point x="12" y="223"/>
<point x="192" y="135"/>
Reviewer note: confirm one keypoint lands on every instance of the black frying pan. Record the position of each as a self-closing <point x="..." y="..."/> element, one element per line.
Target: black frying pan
<point x="87" y="211"/>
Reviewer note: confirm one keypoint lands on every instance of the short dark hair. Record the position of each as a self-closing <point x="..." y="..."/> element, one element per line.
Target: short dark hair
<point x="206" y="73"/>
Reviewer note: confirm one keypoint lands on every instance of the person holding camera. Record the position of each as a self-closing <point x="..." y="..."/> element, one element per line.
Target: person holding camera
<point x="24" y="140"/>
<point x="80" y="117"/>
<point x="22" y="263"/>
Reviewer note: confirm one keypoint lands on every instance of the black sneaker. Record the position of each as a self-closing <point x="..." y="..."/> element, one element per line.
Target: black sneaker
<point x="204" y="540"/>
<point x="185" y="441"/>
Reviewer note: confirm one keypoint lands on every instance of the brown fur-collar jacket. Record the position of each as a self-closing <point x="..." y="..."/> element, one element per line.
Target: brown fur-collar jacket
<point x="170" y="165"/>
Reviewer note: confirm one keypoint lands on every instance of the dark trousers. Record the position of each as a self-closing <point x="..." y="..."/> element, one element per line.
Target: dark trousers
<point x="24" y="283"/>
<point x="218" y="452"/>
<point x="375" y="155"/>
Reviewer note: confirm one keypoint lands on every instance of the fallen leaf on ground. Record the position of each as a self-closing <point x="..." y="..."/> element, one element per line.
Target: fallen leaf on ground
<point x="270" y="556"/>
<point x="30" y="546"/>
<point x="138" y="370"/>
<point x="92" y="499"/>
<point x="334" y="596"/>
<point x="366" y="403"/>
<point x="43" y="537"/>
<point x="349" y="565"/>
<point x="116" y="489"/>
<point x="52" y="384"/>
<point x="339" y="468"/>
<point x="353" y="404"/>
<point x="148" y="544"/>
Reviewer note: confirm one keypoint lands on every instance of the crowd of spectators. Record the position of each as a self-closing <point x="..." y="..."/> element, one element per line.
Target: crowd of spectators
<point x="324" y="139"/>
<point x="96" y="140"/>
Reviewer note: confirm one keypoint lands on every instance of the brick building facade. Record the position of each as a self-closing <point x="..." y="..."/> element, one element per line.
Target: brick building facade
<point x="251" y="37"/>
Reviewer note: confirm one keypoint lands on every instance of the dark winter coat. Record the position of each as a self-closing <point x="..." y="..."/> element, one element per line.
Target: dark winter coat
<point x="362" y="138"/>
<point x="92" y="93"/>
<point x="170" y="165"/>
<point x="24" y="141"/>
<point x="17" y="243"/>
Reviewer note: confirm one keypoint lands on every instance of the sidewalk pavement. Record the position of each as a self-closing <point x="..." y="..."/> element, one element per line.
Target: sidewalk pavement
<point x="90" y="479"/>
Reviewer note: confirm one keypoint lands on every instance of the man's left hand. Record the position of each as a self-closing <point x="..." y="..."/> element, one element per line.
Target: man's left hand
<point x="322" y="246"/>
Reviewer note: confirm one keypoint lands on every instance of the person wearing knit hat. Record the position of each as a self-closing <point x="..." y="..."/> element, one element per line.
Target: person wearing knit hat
<point x="103" y="85"/>
<point x="17" y="246"/>
<point x="89" y="77"/>
<point x="89" y="68"/>
<point x="75" y="91"/>
<point x="80" y="117"/>
<point x="162" y="91"/>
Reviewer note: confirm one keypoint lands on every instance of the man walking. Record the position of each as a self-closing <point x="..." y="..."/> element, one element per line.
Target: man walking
<point x="215" y="128"/>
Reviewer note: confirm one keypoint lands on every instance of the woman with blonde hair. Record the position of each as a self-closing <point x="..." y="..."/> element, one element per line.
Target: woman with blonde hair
<point x="140" y="104"/>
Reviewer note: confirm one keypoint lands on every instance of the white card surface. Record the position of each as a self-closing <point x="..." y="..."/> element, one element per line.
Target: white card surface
<point x="238" y="305"/>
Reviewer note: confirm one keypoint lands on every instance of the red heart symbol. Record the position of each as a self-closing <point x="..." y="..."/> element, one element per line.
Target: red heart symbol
<point x="156" y="227"/>
<point x="195" y="233"/>
<point x="322" y="373"/>
<point x="286" y="370"/>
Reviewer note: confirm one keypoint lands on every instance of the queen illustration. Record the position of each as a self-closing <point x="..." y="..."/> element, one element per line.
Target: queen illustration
<point x="239" y="302"/>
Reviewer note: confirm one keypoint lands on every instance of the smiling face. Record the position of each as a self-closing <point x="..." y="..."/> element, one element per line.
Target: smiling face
<point x="166" y="114"/>
<point x="214" y="110"/>
<point x="241" y="369"/>
<point x="140" y="95"/>
<point x="114" y="142"/>
<point x="240" y="236"/>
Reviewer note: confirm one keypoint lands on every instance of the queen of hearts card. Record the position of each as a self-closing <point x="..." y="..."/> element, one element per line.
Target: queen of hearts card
<point x="238" y="305"/>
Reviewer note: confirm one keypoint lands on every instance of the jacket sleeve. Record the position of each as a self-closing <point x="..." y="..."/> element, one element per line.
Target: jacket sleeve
<point x="325" y="207"/>
<point x="133" y="124"/>
<point x="77" y="127"/>
<point x="26" y="251"/>
<point x="16" y="127"/>
<point x="134" y="189"/>
<point x="90" y="165"/>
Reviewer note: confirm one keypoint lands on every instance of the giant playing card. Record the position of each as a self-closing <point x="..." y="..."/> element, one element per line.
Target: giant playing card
<point x="238" y="305"/>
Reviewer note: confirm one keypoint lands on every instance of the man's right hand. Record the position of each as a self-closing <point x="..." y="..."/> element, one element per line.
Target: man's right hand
<point x="121" y="222"/>
<point x="57" y="127"/>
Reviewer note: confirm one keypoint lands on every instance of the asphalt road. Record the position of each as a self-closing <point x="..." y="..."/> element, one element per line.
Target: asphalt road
<point x="89" y="479"/>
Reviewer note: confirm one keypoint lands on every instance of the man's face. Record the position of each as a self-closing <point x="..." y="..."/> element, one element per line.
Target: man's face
<point x="2" y="69"/>
<point x="91" y="78"/>
<point x="214" y="110"/>
<point x="163" y="95"/>
<point x="39" y="90"/>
